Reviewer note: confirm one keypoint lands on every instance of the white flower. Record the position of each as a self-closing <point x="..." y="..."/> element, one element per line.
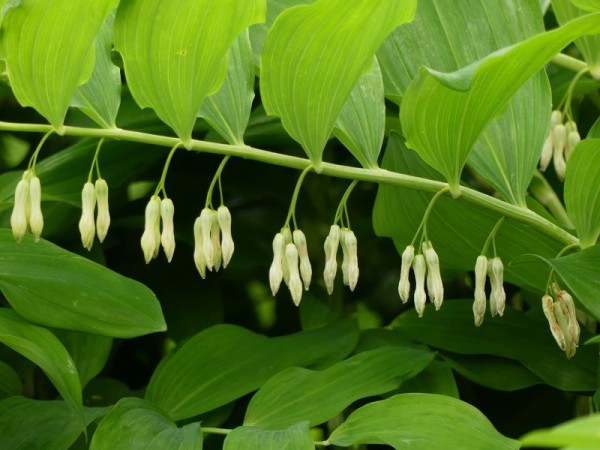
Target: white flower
<point x="19" y="216"/>
<point x="480" y="298"/>
<point x="276" y="270"/>
<point x="558" y="158"/>
<point x="419" y="267"/>
<point x="566" y="319"/>
<point x="350" y="270"/>
<point x="199" y="258"/>
<point x="294" y="284"/>
<point x="167" y="238"/>
<point x="408" y="255"/>
<point x="215" y="237"/>
<point x="331" y="247"/>
<point x="573" y="138"/>
<point x="206" y="219"/>
<point x="36" y="219"/>
<point x="497" y="294"/>
<point x="435" y="286"/>
<point x="287" y="239"/>
<point x="227" y="245"/>
<point x="151" y="237"/>
<point x="103" y="215"/>
<point x="549" y="312"/>
<point x="87" y="226"/>
<point x="548" y="149"/>
<point x="305" y="267"/>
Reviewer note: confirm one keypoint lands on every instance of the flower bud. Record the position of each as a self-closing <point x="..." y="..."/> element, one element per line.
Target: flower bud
<point x="345" y="257"/>
<point x="167" y="238"/>
<point x="573" y="138"/>
<point x="352" y="253"/>
<point x="331" y="246"/>
<point x="287" y="239"/>
<point x="419" y="267"/>
<point x="206" y="218"/>
<point x="227" y="245"/>
<point x="408" y="255"/>
<point x="560" y="141"/>
<point x="555" y="119"/>
<point x="294" y="284"/>
<point x="18" y="218"/>
<point x="497" y="294"/>
<point x="87" y="227"/>
<point x="103" y="214"/>
<point x="199" y="259"/>
<point x="305" y="267"/>
<point x="151" y="237"/>
<point x="547" y="152"/>
<point x="434" y="278"/>
<point x="215" y="237"/>
<point x="480" y="299"/>
<point x="549" y="312"/>
<point x="571" y="329"/>
<point x="36" y="219"/>
<point x="276" y="270"/>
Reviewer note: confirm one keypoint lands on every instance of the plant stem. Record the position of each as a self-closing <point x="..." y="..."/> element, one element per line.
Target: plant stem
<point x="423" y="224"/>
<point x="95" y="161"/>
<point x="568" y="62"/>
<point x="379" y="176"/>
<point x="216" y="177"/>
<point x="209" y="430"/>
<point x="543" y="193"/>
<point x="491" y="237"/>
<point x="292" y="210"/>
<point x="33" y="160"/>
<point x="342" y="204"/>
<point x="163" y="177"/>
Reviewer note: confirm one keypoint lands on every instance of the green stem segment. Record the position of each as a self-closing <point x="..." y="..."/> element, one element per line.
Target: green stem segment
<point x="543" y="192"/>
<point x="163" y="177"/>
<point x="292" y="210"/>
<point x="379" y="176"/>
<point x="33" y="160"/>
<point x="95" y="162"/>
<point x="492" y="237"/>
<point x="342" y="205"/>
<point x="423" y="224"/>
<point x="216" y="178"/>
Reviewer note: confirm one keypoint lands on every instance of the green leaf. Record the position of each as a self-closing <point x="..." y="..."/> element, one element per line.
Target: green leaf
<point x="436" y="378"/>
<point x="228" y="110"/>
<point x="516" y="336"/>
<point x="136" y="424"/>
<point x="299" y="394"/>
<point x="46" y="62"/>
<point x="314" y="56"/>
<point x="100" y="97"/>
<point x="361" y="123"/>
<point x="199" y="376"/>
<point x="587" y="5"/>
<point x="44" y="349"/>
<point x="10" y="383"/>
<point x="55" y="288"/>
<point x="580" y="271"/>
<point x="582" y="191"/>
<point x="173" y="72"/>
<point x="12" y="151"/>
<point x="581" y="432"/>
<point x="423" y="421"/>
<point x="35" y="424"/>
<point x="296" y="437"/>
<point x="443" y="114"/>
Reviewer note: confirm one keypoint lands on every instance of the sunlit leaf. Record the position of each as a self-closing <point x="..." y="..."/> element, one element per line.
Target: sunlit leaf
<point x="175" y="53"/>
<point x="55" y="288"/>
<point x="46" y="62"/>
<point x="200" y="376"/>
<point x="587" y="5"/>
<point x="295" y="437"/>
<point x="443" y="114"/>
<point x="423" y="421"/>
<point x="136" y="424"/>
<point x="313" y="58"/>
<point x="299" y="394"/>
<point x="580" y="433"/>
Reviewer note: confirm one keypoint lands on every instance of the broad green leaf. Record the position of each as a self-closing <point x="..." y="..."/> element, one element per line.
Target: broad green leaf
<point x="423" y="422"/>
<point x="36" y="424"/>
<point x="581" y="433"/>
<point x="12" y="151"/>
<point x="10" y="383"/>
<point x="443" y="114"/>
<point x="595" y="130"/>
<point x="175" y="53"/>
<point x="295" y="437"/>
<point x="55" y="288"/>
<point x="100" y="97"/>
<point x="436" y="378"/>
<point x="46" y="62"/>
<point x="361" y="123"/>
<point x="580" y="271"/>
<point x="582" y="191"/>
<point x="89" y="352"/>
<point x="228" y="110"/>
<point x="566" y="10"/>
<point x="199" y="376"/>
<point x="515" y="336"/>
<point x="297" y="394"/>
<point x="45" y="350"/>
<point x="313" y="58"/>
<point x="136" y="424"/>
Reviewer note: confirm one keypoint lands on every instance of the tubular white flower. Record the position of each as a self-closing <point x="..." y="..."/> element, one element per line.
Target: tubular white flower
<point x="227" y="245"/>
<point x="408" y="255"/>
<point x="547" y="152"/>
<point x="206" y="218"/>
<point x="331" y="247"/>
<point x="352" y="267"/>
<point x="215" y="237"/>
<point x="287" y="239"/>
<point x="151" y="237"/>
<point x="345" y="256"/>
<point x="295" y="284"/>
<point x="305" y="267"/>
<point x="103" y="214"/>
<point x="276" y="270"/>
<point x="36" y="219"/>
<point x="480" y="298"/>
<point x="434" y="277"/>
<point x="199" y="259"/>
<point x="573" y="138"/>
<point x="549" y="312"/>
<point x="497" y="294"/>
<point x="167" y="238"/>
<point x="18" y="218"/>
<point x="87" y="227"/>
<point x="570" y="327"/>
<point x="558" y="158"/>
<point x="420" y="297"/>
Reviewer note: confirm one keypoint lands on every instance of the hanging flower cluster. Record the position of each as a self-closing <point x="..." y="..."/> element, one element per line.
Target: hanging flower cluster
<point x="562" y="139"/>
<point x="562" y="318"/>
<point x="494" y="269"/>
<point x="27" y="210"/>
<point x="213" y="243"/>
<point x="290" y="263"/>
<point x="94" y="197"/>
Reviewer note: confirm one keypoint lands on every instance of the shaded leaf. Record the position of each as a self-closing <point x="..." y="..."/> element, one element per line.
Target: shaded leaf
<point x="10" y="383"/>
<point x="313" y="58"/>
<point x="55" y="288"/>
<point x="297" y="394"/>
<point x="295" y="437"/>
<point x="581" y="433"/>
<point x="436" y="378"/>
<point x="423" y="421"/>
<point x="89" y="352"/>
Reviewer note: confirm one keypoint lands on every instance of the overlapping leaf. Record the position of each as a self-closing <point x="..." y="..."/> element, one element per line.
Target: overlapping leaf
<point x="175" y="53"/>
<point x="313" y="58"/>
<point x="10" y="384"/>
<point x="89" y="352"/>
<point x="295" y="437"/>
<point x="580" y="433"/>
<point x="46" y="62"/>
